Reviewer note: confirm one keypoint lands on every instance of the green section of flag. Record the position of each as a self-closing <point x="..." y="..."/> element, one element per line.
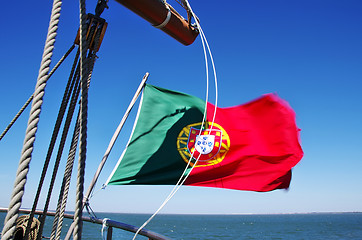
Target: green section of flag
<point x="151" y="156"/>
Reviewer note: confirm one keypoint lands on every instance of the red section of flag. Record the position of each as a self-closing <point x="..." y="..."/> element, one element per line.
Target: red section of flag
<point x="264" y="146"/>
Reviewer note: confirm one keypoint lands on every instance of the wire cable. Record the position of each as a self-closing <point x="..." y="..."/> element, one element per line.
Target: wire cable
<point x="182" y="179"/>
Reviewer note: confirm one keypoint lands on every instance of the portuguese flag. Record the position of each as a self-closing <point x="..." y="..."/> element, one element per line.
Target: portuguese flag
<point x="252" y="146"/>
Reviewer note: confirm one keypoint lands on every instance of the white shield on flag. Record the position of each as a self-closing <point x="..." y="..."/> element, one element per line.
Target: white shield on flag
<point x="204" y="143"/>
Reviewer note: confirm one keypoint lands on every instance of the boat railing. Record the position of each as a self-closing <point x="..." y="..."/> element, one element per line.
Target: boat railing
<point x="108" y="222"/>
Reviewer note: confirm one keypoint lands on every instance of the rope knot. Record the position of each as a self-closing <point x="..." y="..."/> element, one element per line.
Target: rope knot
<point x="20" y="229"/>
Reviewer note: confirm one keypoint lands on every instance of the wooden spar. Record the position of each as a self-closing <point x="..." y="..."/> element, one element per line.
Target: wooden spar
<point x="156" y="12"/>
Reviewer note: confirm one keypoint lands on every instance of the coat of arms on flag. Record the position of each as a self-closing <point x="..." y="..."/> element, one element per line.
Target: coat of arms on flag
<point x="204" y="144"/>
<point x="207" y="146"/>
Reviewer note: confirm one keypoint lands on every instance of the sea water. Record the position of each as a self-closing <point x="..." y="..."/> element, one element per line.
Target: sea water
<point x="231" y="227"/>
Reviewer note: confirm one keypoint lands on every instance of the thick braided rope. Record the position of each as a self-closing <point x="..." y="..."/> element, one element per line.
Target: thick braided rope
<point x="66" y="182"/>
<point x="72" y="106"/>
<point x="57" y="225"/>
<point x="90" y="64"/>
<point x="69" y="117"/>
<point x="77" y="234"/>
<point x="64" y="103"/>
<point x="31" y="97"/>
<point x="68" y="120"/>
<point x="19" y="185"/>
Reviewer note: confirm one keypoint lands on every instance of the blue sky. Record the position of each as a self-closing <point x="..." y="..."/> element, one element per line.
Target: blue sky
<point x="308" y="52"/>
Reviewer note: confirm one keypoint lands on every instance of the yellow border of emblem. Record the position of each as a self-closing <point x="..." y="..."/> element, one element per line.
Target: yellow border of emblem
<point x="186" y="155"/>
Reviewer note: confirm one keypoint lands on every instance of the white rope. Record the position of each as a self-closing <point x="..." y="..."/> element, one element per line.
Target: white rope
<point x="167" y="19"/>
<point x="183" y="178"/>
<point x="104" y="227"/>
<point x="215" y="78"/>
<point x="28" y="145"/>
<point x="204" y="41"/>
<point x="179" y="183"/>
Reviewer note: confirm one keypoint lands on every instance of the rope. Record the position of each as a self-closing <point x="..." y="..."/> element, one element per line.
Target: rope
<point x="92" y="57"/>
<point x="52" y="142"/>
<point x="61" y="146"/>
<point x="63" y="196"/>
<point x="69" y="117"/>
<point x="62" y="109"/>
<point x="104" y="227"/>
<point x="183" y="178"/>
<point x="19" y="185"/>
<point x="182" y="4"/>
<point x="90" y="62"/>
<point x="21" y="225"/>
<point x="167" y="19"/>
<point x="73" y="100"/>
<point x="204" y="42"/>
<point x="104" y="159"/>
<point x="61" y="60"/>
<point x="77" y="234"/>
<point x="177" y="186"/>
<point x="90" y="212"/>
<point x="16" y="117"/>
<point x="31" y="97"/>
